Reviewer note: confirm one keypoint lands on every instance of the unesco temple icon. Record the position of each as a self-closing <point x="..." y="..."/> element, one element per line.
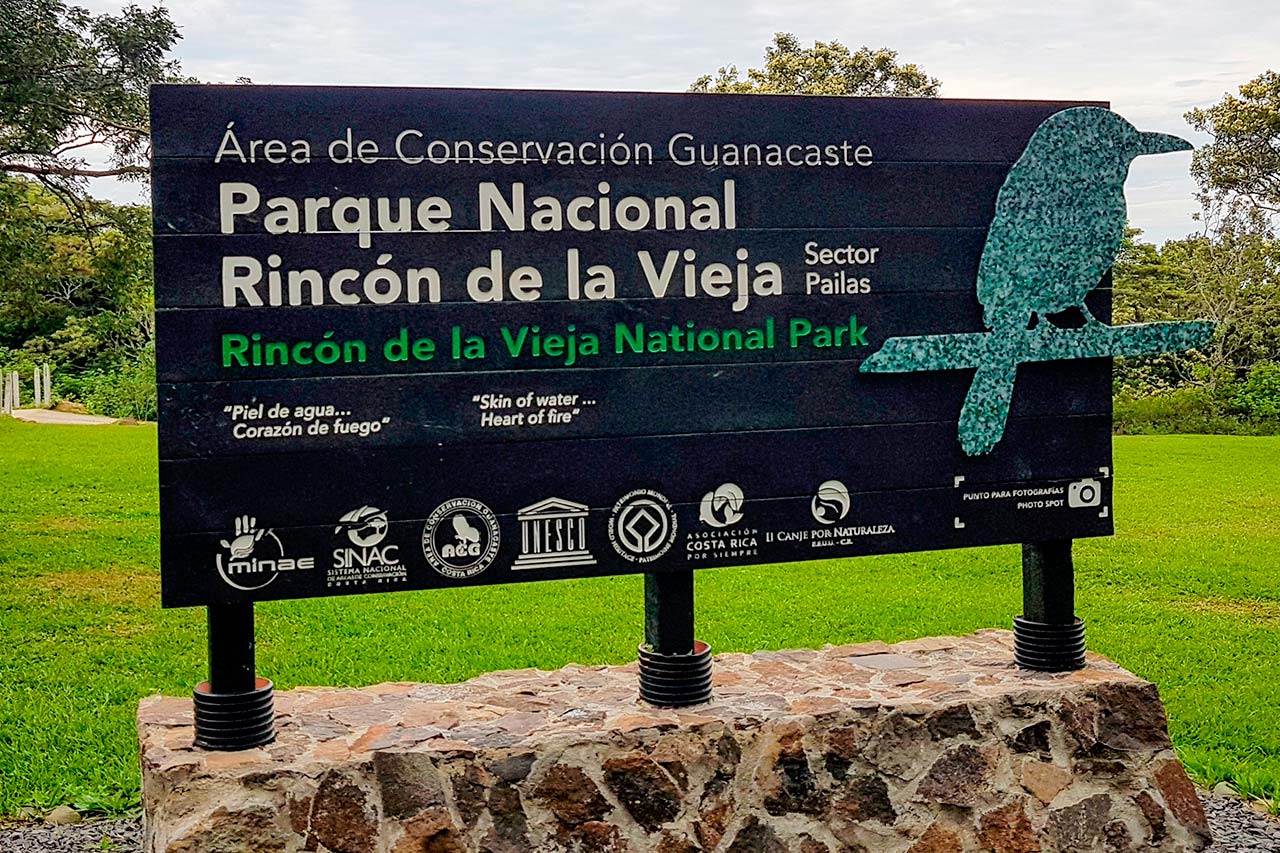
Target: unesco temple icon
<point x="553" y="534"/>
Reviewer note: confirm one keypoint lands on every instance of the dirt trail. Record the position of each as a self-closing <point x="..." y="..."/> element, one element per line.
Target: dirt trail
<point x="49" y="416"/>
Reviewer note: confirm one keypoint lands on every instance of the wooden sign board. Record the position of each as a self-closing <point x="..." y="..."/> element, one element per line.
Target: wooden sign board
<point x="417" y="338"/>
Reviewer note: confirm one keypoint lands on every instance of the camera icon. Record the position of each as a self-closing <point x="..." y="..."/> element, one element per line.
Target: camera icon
<point x="1086" y="492"/>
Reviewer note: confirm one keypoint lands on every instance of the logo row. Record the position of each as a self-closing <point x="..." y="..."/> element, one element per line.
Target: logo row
<point x="461" y="537"/>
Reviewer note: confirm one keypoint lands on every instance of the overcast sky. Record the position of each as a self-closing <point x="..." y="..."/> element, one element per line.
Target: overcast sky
<point x="1152" y="60"/>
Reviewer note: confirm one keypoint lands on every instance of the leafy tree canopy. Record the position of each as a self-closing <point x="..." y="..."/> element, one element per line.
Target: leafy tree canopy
<point x="827" y="68"/>
<point x="1230" y="275"/>
<point x="77" y="298"/>
<point x="1243" y="160"/>
<point x="70" y="80"/>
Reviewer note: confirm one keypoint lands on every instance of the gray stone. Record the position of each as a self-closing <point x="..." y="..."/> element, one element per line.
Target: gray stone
<point x="409" y="783"/>
<point x="865" y="798"/>
<point x="952" y="722"/>
<point x="571" y="795"/>
<point x="1008" y="830"/>
<point x="510" y="830"/>
<point x="958" y="778"/>
<point x="1033" y="738"/>
<point x="342" y="818"/>
<point x="937" y="839"/>
<point x="1080" y="826"/>
<point x="1224" y="789"/>
<point x="471" y="786"/>
<point x="888" y="662"/>
<point x="645" y="790"/>
<point x="1131" y="717"/>
<point x="790" y="786"/>
<point x="756" y="837"/>
<point x="513" y="768"/>
<point x="1154" y="815"/>
<point x="63" y="816"/>
<point x="252" y="829"/>
<point x="897" y="744"/>
<point x="1180" y="796"/>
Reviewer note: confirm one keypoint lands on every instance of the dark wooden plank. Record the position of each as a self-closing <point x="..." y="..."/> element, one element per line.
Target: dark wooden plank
<point x="193" y="345"/>
<point x="771" y="531"/>
<point x="298" y="489"/>
<point x="431" y="410"/>
<point x="189" y="121"/>
<point x="186" y="193"/>
<point x="906" y="260"/>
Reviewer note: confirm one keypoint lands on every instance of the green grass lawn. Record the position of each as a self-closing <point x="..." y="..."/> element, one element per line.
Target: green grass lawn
<point x="1188" y="595"/>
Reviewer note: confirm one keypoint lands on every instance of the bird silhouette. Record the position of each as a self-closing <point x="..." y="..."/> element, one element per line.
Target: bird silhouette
<point x="1060" y="216"/>
<point x="1058" y="226"/>
<point x="464" y="531"/>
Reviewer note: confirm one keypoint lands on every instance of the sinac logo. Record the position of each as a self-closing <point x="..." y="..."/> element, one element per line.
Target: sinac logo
<point x="368" y="557"/>
<point x="366" y="526"/>
<point x="255" y="556"/>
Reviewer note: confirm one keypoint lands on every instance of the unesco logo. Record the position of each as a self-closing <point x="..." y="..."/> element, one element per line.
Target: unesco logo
<point x="643" y="526"/>
<point x="461" y="538"/>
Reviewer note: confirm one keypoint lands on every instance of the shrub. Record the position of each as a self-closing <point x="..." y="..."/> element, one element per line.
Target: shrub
<point x="1259" y="394"/>
<point x="128" y="391"/>
<point x="1190" y="409"/>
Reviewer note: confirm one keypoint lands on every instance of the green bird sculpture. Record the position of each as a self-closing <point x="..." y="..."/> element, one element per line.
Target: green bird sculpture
<point x="1060" y="216"/>
<point x="1058" y="225"/>
<point x="1057" y="229"/>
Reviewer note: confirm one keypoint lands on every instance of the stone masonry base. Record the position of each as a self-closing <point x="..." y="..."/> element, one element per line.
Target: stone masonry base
<point x="929" y="746"/>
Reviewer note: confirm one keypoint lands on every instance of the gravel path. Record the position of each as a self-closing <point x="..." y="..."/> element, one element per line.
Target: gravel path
<point x="1236" y="828"/>
<point x="125" y="835"/>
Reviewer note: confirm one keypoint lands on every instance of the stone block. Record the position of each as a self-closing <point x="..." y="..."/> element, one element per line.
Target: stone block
<point x="806" y="751"/>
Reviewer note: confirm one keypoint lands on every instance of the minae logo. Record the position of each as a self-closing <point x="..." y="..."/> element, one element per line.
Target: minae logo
<point x="255" y="557"/>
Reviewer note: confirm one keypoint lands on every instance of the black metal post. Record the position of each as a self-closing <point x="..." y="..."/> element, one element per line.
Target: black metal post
<point x="675" y="669"/>
<point x="1048" y="636"/>
<point x="231" y="648"/>
<point x="234" y="709"/>
<point x="668" y="613"/>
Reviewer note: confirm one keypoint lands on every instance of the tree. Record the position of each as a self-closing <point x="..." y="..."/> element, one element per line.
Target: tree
<point x="1233" y="276"/>
<point x="1148" y="285"/>
<point x="1229" y="275"/>
<point x="70" y="80"/>
<point x="80" y="299"/>
<point x="1243" y="160"/>
<point x="827" y="68"/>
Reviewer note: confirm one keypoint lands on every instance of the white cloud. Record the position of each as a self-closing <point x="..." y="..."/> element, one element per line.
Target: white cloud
<point x="1152" y="60"/>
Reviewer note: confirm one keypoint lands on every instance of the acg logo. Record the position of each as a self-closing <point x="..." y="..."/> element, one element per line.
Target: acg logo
<point x="460" y="549"/>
